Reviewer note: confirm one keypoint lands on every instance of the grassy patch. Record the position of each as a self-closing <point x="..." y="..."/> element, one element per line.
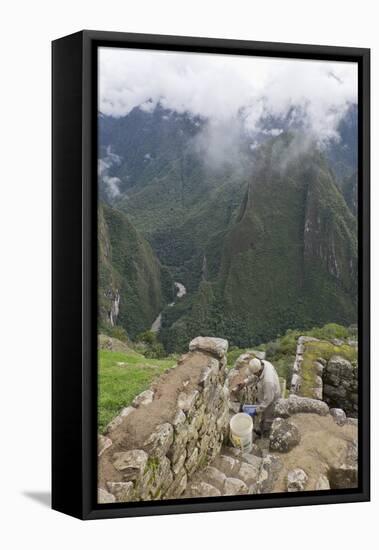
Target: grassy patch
<point x="122" y="376"/>
<point x="314" y="350"/>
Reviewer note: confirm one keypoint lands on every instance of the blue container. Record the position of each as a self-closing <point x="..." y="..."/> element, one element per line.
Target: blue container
<point x="251" y="410"/>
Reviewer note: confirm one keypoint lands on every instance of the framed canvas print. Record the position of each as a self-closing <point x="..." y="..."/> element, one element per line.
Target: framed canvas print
<point x="210" y="274"/>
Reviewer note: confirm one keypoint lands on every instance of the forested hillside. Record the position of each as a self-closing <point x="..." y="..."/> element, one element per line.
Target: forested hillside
<point x="262" y="234"/>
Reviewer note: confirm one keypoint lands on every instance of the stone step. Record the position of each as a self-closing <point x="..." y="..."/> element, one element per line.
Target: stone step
<point x="231" y="473"/>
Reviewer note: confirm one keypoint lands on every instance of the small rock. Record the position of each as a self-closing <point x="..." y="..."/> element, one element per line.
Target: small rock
<point x="213" y="476"/>
<point x="103" y="497"/>
<point x="131" y="463"/>
<point x="202" y="489"/>
<point x="113" y="424"/>
<point x="337" y="342"/>
<point x="235" y="406"/>
<point x="268" y="474"/>
<point x="339" y="416"/>
<point x="249" y="473"/>
<point x="305" y="339"/>
<point x="252" y="459"/>
<point x="215" y="346"/>
<point x="319" y="367"/>
<point x="187" y="400"/>
<point x="296" y="480"/>
<point x="284" y="436"/>
<point x="143" y="398"/>
<point x="103" y="443"/>
<point x="178" y="486"/>
<point x="159" y="442"/>
<point x="295" y="383"/>
<point x="179" y="419"/>
<point x="178" y="465"/>
<point x="126" y="411"/>
<point x="322" y="483"/>
<point x="234" y="486"/>
<point x="123" y="491"/>
<point x="256" y="450"/>
<point x="191" y="462"/>
<point x="205" y="377"/>
<point x="228" y="465"/>
<point x="235" y="452"/>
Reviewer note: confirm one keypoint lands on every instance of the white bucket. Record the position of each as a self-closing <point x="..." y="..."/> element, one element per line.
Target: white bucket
<point x="241" y="431"/>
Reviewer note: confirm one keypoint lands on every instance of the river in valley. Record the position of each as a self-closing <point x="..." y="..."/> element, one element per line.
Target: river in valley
<point x="180" y="292"/>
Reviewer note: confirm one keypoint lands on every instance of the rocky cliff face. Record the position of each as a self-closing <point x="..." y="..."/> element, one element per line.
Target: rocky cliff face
<point x="133" y="286"/>
<point x="290" y="258"/>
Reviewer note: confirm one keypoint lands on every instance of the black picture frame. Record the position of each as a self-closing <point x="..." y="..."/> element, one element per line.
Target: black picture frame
<point x="74" y="296"/>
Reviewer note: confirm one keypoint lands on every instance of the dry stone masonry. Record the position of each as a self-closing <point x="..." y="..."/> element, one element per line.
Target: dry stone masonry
<point x="188" y="438"/>
<point x="340" y="389"/>
<point x="173" y="441"/>
<point x="296" y="379"/>
<point x="335" y="381"/>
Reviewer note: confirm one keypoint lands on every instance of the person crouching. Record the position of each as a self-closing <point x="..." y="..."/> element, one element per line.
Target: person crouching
<point x="268" y="391"/>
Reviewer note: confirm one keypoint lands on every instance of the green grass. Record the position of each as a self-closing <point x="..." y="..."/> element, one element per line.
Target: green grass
<point x="323" y="349"/>
<point x="118" y="385"/>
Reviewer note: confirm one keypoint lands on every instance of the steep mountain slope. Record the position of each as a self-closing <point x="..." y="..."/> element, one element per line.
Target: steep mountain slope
<point x="167" y="188"/>
<point x="263" y="239"/>
<point x="288" y="261"/>
<point x="350" y="192"/>
<point x="133" y="286"/>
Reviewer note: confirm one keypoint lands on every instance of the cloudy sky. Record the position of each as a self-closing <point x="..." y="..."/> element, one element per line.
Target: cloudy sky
<point x="221" y="87"/>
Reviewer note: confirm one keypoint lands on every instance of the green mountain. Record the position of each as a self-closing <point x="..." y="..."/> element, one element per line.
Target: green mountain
<point x="288" y="261"/>
<point x="133" y="286"/>
<point x="263" y="242"/>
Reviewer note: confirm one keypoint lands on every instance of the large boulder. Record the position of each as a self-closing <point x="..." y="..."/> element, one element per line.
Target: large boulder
<point x="214" y="346"/>
<point x="284" y="436"/>
<point x="295" y="404"/>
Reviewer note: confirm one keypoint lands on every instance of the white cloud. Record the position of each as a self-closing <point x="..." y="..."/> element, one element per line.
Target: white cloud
<point x="223" y="88"/>
<point x="111" y="184"/>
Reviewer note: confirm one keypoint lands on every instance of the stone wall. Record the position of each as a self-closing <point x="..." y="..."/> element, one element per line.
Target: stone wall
<point x="340" y="385"/>
<point x="187" y="415"/>
<point x="296" y="378"/>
